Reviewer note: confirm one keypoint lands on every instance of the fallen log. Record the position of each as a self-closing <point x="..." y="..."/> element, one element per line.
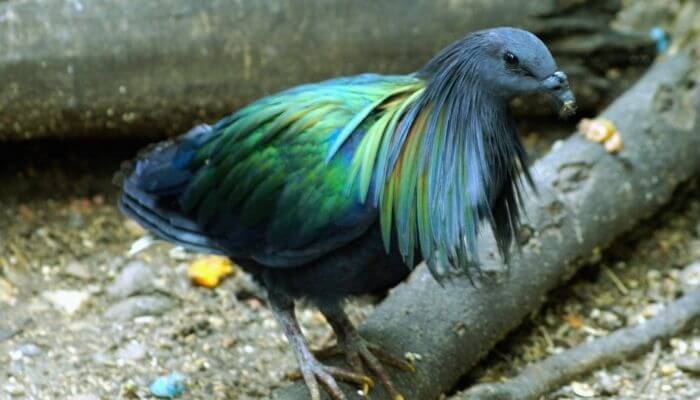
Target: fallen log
<point x="587" y="197"/>
<point x="113" y="68"/>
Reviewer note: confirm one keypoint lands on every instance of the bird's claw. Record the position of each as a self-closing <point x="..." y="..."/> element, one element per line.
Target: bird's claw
<point x="390" y="359"/>
<point x="314" y="372"/>
<point x="359" y="351"/>
<point x="382" y="355"/>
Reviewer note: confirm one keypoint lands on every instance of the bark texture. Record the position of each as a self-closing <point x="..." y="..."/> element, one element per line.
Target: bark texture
<point x="587" y="197"/>
<point x="150" y="68"/>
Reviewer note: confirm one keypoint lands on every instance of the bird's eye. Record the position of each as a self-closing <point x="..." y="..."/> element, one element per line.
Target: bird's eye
<point x="510" y="59"/>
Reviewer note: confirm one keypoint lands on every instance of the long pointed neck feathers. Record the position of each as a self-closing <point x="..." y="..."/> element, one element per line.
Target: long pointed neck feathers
<point x="439" y="159"/>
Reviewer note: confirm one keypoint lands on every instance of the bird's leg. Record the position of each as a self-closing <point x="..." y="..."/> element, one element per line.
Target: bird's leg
<point x="311" y="370"/>
<point x="359" y="351"/>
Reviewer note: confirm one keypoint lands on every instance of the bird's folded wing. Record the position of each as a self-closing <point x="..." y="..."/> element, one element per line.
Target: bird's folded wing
<point x="264" y="186"/>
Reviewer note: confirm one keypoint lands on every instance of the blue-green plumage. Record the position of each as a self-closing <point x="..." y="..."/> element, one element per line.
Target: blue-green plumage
<point x="340" y="187"/>
<point x="424" y="158"/>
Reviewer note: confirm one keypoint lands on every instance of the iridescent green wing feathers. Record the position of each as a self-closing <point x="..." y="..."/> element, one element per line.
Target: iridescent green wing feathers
<point x="273" y="180"/>
<point x="300" y="173"/>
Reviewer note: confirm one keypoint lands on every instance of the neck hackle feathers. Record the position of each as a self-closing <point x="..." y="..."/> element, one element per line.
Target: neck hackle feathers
<point x="440" y="154"/>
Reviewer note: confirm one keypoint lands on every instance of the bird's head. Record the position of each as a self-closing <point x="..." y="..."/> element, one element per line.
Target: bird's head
<point x="508" y="62"/>
<point x="516" y="62"/>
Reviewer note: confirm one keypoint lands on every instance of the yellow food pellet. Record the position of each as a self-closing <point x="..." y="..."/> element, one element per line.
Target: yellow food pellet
<point x="601" y="131"/>
<point x="597" y="130"/>
<point x="614" y="144"/>
<point x="209" y="271"/>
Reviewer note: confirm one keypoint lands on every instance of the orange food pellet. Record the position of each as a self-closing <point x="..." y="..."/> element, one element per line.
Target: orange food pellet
<point x="209" y="271"/>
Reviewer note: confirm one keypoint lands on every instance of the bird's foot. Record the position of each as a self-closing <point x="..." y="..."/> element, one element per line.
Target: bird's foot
<point x="314" y="372"/>
<point x="360" y="352"/>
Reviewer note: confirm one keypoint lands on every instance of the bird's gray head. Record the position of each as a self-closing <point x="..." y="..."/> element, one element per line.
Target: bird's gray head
<point x="505" y="62"/>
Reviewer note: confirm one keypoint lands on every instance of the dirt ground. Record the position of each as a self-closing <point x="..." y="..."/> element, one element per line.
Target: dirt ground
<point x="83" y="319"/>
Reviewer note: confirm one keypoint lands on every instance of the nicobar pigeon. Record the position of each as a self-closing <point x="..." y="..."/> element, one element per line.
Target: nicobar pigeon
<point x="339" y="188"/>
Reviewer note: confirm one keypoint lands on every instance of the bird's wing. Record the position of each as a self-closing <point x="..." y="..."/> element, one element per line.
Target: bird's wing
<point x="271" y="181"/>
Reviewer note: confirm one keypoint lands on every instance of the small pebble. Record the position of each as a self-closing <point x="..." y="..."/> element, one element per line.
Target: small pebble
<point x="84" y="397"/>
<point x="582" y="389"/>
<point x="30" y="350"/>
<point x="78" y="270"/>
<point x="609" y="320"/>
<point x="68" y="301"/>
<point x="652" y="309"/>
<point x="140" y="245"/>
<point x="75" y="221"/>
<point x="178" y="253"/>
<point x="101" y="358"/>
<point x="689" y="364"/>
<point x="6" y="291"/>
<point x="168" y="387"/>
<point x="133" y="351"/>
<point x="14" y="389"/>
<point x="690" y="277"/>
<point x="679" y="346"/>
<point x="653" y="275"/>
<point x="667" y="369"/>
<point x="216" y="322"/>
<point x="608" y="385"/>
<point x="138" y="306"/>
<point x="135" y="277"/>
<point x="128" y="389"/>
<point x="15" y="355"/>
<point x="695" y="344"/>
<point x="133" y="228"/>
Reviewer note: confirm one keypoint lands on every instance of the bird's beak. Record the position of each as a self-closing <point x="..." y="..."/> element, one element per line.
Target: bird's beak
<point x="557" y="85"/>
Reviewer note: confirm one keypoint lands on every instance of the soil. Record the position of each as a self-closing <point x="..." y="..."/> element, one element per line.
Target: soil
<point x="63" y="239"/>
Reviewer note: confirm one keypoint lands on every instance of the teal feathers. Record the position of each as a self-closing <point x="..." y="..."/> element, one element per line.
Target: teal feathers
<point x="422" y="159"/>
<point x="319" y="158"/>
<point x="279" y="170"/>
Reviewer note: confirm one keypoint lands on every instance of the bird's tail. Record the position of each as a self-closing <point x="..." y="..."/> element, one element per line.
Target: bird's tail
<point x="152" y="184"/>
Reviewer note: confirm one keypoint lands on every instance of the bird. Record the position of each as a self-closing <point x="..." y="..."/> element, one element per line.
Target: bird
<point x="335" y="189"/>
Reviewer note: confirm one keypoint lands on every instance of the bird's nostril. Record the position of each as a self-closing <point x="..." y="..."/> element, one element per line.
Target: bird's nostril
<point x="560" y="76"/>
<point x="557" y="81"/>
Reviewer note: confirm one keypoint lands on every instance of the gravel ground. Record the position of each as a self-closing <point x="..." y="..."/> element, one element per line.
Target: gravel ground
<point x="81" y="318"/>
